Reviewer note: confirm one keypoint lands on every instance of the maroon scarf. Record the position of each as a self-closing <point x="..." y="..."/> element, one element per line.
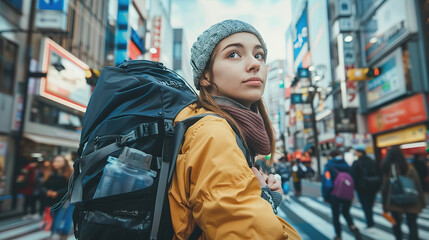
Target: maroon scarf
<point x="250" y="123"/>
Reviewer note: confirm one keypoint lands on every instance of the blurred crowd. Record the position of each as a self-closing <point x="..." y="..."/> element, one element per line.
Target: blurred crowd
<point x="43" y="183"/>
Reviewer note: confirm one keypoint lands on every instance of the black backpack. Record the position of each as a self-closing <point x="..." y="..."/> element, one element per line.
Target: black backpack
<point x="133" y="106"/>
<point x="371" y="177"/>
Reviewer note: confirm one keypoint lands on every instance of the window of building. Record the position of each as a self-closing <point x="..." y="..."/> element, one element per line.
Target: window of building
<point x="177" y="51"/>
<point x="46" y="114"/>
<point x="8" y="55"/>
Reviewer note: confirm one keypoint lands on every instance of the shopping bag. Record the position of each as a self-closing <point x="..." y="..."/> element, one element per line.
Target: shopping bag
<point x="46" y="220"/>
<point x="63" y="219"/>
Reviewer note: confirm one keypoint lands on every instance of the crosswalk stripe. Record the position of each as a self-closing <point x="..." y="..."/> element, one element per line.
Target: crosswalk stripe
<point x="375" y="233"/>
<point x="283" y="215"/>
<point x="19" y="231"/>
<point x="358" y="212"/>
<point x="420" y="221"/>
<point x="318" y="223"/>
<point x="14" y="224"/>
<point x="36" y="236"/>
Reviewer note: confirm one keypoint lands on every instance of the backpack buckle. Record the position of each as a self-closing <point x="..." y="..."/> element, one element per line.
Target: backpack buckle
<point x="130" y="137"/>
<point x="146" y="129"/>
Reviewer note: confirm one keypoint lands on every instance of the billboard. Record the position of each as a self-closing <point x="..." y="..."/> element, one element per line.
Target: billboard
<point x="390" y="83"/>
<point x="156" y="38"/>
<point x="65" y="80"/>
<point x="300" y="44"/>
<point x="393" y="22"/>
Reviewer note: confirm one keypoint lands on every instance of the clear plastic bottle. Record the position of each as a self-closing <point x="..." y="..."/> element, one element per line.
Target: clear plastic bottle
<point x="129" y="172"/>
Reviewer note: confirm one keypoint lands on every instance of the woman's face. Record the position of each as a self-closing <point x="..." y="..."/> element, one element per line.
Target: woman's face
<point x="239" y="70"/>
<point x="58" y="162"/>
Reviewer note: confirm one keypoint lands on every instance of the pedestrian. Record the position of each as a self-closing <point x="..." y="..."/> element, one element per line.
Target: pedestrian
<point x="298" y="172"/>
<point x="54" y="188"/>
<point x="395" y="164"/>
<point x="44" y="174"/>
<point x="367" y="178"/>
<point x="283" y="169"/>
<point x="422" y="169"/>
<point x="213" y="188"/>
<point x="26" y="184"/>
<point x="336" y="167"/>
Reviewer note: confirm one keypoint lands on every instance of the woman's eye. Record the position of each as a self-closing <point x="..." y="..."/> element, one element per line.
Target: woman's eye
<point x="233" y="55"/>
<point x="259" y="56"/>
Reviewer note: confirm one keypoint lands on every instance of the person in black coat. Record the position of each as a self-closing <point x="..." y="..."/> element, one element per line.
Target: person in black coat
<point x="367" y="178"/>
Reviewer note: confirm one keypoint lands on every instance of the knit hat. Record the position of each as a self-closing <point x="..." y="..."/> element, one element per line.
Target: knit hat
<point x="202" y="49"/>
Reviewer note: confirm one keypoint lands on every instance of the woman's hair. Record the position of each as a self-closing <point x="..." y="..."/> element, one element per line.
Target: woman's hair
<point x="395" y="156"/>
<point x="206" y="101"/>
<point x="66" y="170"/>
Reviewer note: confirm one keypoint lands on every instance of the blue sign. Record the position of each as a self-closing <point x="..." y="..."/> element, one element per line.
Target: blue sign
<point x="122" y="32"/>
<point x="301" y="37"/>
<point x="303" y="73"/>
<point x="296" y="98"/>
<point x="52" y="4"/>
<point x="137" y="40"/>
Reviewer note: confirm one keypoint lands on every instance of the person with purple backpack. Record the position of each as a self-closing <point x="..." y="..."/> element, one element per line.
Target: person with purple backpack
<point x="338" y="190"/>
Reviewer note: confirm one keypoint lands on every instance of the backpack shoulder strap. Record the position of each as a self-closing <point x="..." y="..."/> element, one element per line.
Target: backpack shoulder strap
<point x="172" y="143"/>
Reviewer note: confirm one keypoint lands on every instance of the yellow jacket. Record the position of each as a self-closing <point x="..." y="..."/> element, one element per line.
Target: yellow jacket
<point x="213" y="186"/>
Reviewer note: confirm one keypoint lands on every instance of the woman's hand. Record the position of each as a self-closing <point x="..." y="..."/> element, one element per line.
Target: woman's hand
<point x="269" y="180"/>
<point x="260" y="176"/>
<point x="274" y="184"/>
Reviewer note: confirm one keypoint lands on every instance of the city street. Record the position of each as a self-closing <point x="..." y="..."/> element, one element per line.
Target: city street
<point x="308" y="214"/>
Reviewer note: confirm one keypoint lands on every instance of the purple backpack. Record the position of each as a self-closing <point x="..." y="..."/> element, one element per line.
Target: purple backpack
<point x="343" y="186"/>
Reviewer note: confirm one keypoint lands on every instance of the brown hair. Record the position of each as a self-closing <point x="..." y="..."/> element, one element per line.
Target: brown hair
<point x="206" y="101"/>
<point x="66" y="170"/>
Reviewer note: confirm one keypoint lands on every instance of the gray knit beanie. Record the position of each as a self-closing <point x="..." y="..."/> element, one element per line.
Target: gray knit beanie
<point x="202" y="49"/>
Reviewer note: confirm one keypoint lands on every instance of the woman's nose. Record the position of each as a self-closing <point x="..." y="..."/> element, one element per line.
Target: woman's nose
<point x="253" y="64"/>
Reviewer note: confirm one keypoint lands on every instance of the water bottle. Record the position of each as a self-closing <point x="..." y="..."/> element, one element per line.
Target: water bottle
<point x="129" y="172"/>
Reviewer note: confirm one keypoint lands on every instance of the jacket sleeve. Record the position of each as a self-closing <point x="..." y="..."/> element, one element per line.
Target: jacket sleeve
<point x="414" y="175"/>
<point x="223" y="192"/>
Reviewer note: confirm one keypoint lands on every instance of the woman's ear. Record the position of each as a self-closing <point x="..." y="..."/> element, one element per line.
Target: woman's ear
<point x="205" y="79"/>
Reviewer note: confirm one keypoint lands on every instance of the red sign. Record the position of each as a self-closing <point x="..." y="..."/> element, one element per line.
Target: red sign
<point x="65" y="81"/>
<point x="406" y="112"/>
<point x="133" y="51"/>
<point x="156" y="38"/>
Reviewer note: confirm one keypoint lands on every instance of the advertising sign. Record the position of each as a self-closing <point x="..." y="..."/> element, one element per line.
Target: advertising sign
<point x="156" y="38"/>
<point x="406" y="112"/>
<point x="408" y="135"/>
<point x="300" y="44"/>
<point x="345" y="120"/>
<point x="52" y="14"/>
<point x="390" y="83"/>
<point x="122" y="35"/>
<point x="393" y="21"/>
<point x="52" y="4"/>
<point x="65" y="81"/>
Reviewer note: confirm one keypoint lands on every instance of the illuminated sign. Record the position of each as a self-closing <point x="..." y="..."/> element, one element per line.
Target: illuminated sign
<point x="156" y="38"/>
<point x="65" y="81"/>
<point x="408" y="135"/>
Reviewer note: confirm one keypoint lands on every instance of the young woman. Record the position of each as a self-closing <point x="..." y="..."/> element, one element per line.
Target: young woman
<point x="395" y="161"/>
<point x="213" y="187"/>
<point x="54" y="189"/>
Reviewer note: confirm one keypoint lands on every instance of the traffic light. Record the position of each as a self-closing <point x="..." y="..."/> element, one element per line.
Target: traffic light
<point x="373" y="72"/>
<point x="361" y="74"/>
<point x="91" y="76"/>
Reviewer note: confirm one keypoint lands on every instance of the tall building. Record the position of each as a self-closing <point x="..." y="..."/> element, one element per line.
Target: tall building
<point x="65" y="40"/>
<point x="273" y="94"/>
<point x="181" y="57"/>
<point x="393" y="36"/>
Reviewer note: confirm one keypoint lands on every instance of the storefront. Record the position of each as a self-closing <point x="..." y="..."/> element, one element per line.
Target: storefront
<point x="402" y="123"/>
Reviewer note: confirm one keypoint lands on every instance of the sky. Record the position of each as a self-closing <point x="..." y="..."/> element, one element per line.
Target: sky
<point x="270" y="17"/>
